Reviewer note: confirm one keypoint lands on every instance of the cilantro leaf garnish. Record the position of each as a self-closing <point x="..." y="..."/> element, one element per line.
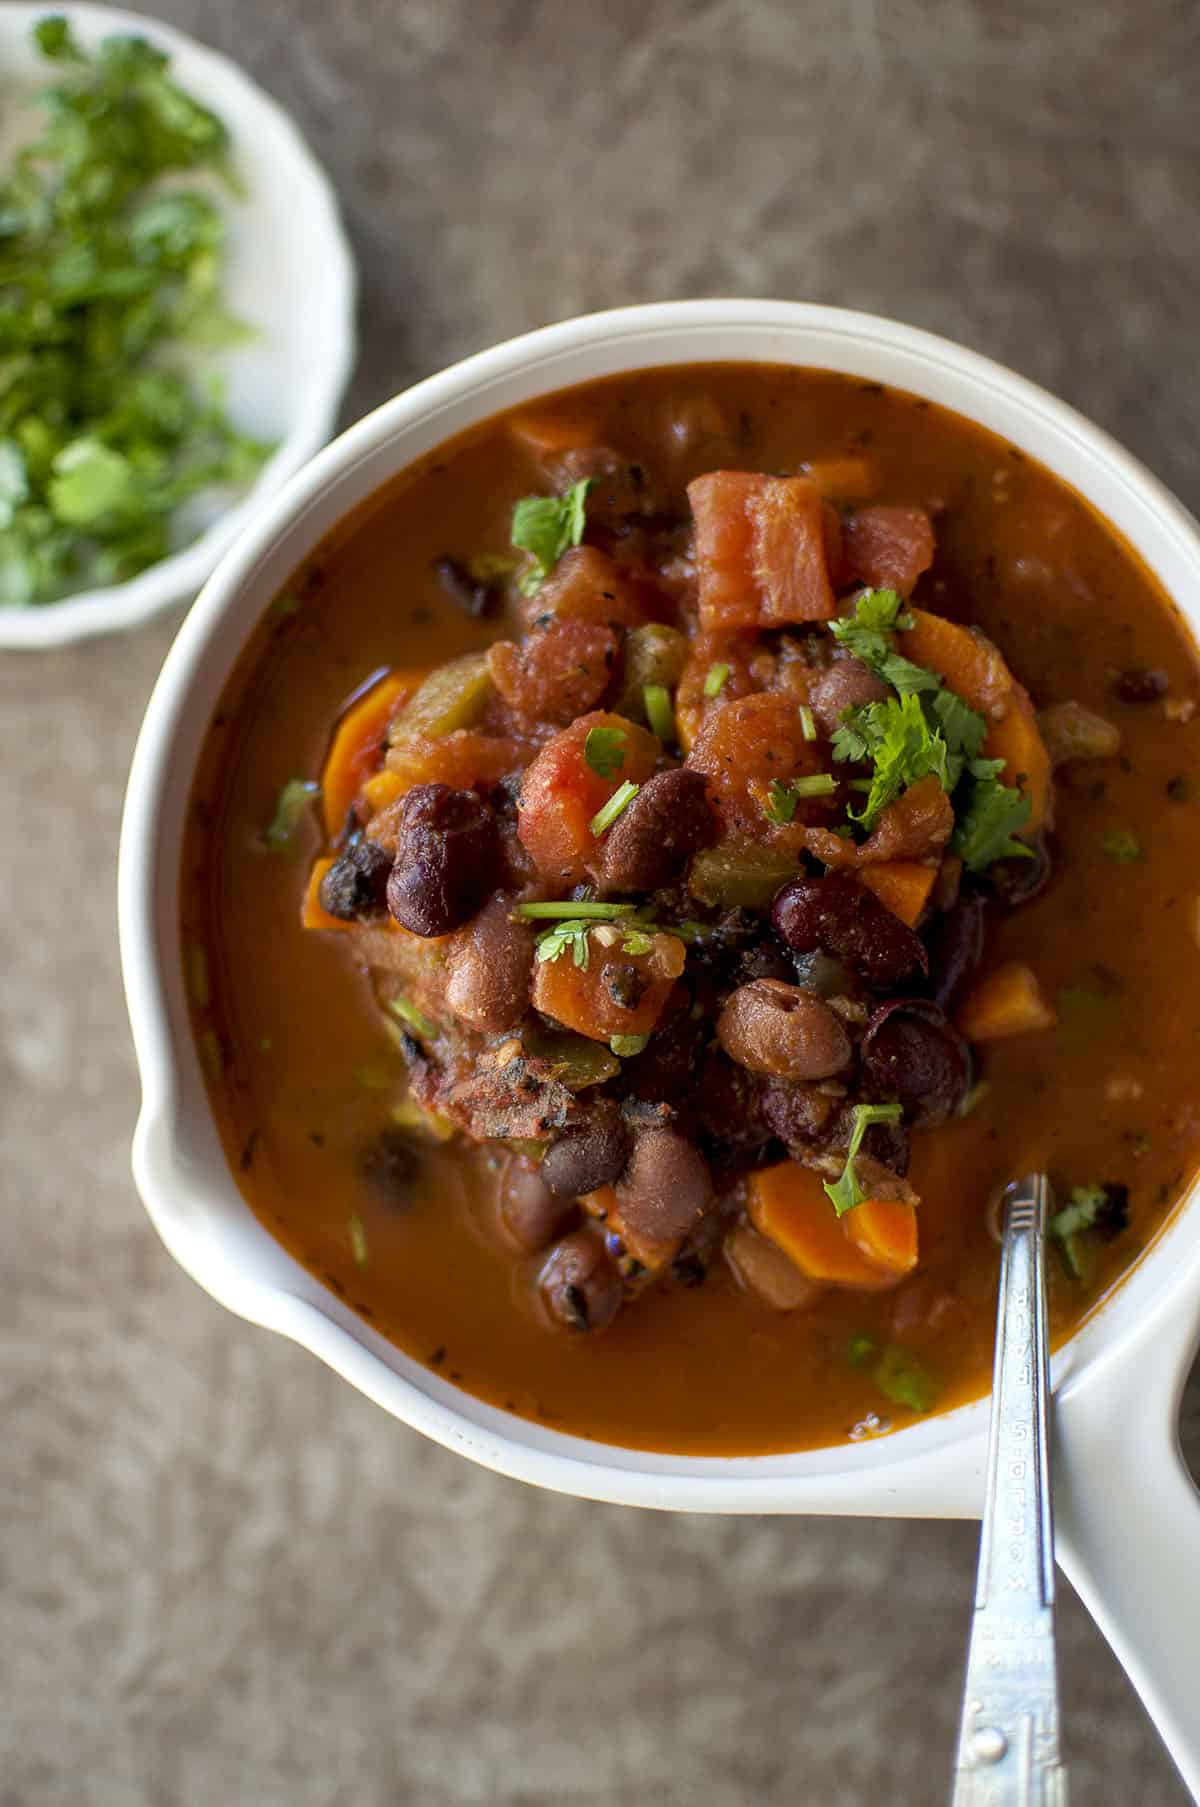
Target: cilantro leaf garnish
<point x="105" y="279"/>
<point x="1122" y="847"/>
<point x="784" y="794"/>
<point x="570" y="935"/>
<point x="546" y="527"/>
<point x="293" y="799"/>
<point x="1101" y="1209"/>
<point x="904" y="1380"/>
<point x="986" y="827"/>
<point x="868" y="635"/>
<point x="846" y="1192"/>
<point x="604" y="751"/>
<point x="896" y="736"/>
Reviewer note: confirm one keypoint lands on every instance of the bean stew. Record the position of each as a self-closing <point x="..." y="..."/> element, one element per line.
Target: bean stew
<point x="660" y="867"/>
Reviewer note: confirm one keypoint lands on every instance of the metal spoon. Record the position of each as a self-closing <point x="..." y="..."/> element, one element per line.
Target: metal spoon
<point x="1008" y="1746"/>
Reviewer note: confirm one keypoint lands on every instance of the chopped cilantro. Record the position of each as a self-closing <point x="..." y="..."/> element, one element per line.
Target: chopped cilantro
<point x="1100" y="1209"/>
<point x="607" y="814"/>
<point x="714" y="680"/>
<point x="571" y="934"/>
<point x="599" y="912"/>
<point x="808" y="722"/>
<point x="846" y="1192"/>
<point x="896" y="736"/>
<point x="868" y="635"/>
<point x="904" y="1380"/>
<point x="860" y="1349"/>
<point x="358" y="1239"/>
<point x="105" y="278"/>
<point x="625" y="1046"/>
<point x="604" y="751"/>
<point x="985" y="829"/>
<point x="1123" y="847"/>
<point x="657" y="701"/>
<point x="783" y="795"/>
<point x="546" y="527"/>
<point x="290" y="805"/>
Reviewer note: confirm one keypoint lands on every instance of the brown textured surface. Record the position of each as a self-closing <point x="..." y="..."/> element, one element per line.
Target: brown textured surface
<point x="226" y="1577"/>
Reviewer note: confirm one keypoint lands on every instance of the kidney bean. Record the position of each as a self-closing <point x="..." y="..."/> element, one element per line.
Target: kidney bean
<point x="1139" y="685"/>
<point x="447" y="852"/>
<point x="356" y="884"/>
<point x="488" y="963"/>
<point x="955" y="942"/>
<point x="664" y="1190"/>
<point x="653" y="838"/>
<point x="912" y="1053"/>
<point x="780" y="1029"/>
<point x="587" y="1156"/>
<point x="842" y="917"/>
<point x="531" y="1212"/>
<point x="579" y="1283"/>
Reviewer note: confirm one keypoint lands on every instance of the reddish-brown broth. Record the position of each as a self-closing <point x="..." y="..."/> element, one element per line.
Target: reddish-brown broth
<point x="305" y="1063"/>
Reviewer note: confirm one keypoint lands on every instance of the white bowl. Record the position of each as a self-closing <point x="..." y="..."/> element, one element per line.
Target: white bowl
<point x="1125" y="1366"/>
<point x="289" y="274"/>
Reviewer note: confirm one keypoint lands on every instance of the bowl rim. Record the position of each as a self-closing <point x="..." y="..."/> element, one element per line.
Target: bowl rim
<point x="934" y="1467"/>
<point x="250" y="111"/>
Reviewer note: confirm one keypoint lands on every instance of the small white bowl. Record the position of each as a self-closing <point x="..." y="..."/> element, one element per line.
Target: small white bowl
<point x="1129" y="1528"/>
<point x="289" y="275"/>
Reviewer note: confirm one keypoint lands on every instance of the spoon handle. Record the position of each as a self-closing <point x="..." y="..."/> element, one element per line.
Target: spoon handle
<point x="1008" y="1747"/>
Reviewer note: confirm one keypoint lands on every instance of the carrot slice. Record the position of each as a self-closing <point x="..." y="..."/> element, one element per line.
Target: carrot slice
<point x="789" y="1205"/>
<point x="356" y="744"/>
<point x="1017" y="739"/>
<point x="903" y="885"/>
<point x="313" y="915"/>
<point x="963" y="657"/>
<point x="1008" y="1002"/>
<point x="885" y="1230"/>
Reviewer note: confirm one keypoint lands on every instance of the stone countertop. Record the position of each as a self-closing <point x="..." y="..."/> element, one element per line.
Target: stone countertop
<point x="227" y="1578"/>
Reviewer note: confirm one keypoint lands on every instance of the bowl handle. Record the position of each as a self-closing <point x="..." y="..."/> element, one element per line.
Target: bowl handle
<point x="1127" y="1521"/>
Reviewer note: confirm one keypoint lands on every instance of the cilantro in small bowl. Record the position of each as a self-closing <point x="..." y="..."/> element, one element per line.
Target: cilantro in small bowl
<point x="139" y="348"/>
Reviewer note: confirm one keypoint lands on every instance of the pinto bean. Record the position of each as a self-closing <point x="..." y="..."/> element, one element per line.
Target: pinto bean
<point x="531" y="1213"/>
<point x="840" y="916"/>
<point x="780" y="1029"/>
<point x="586" y="1156"/>
<point x="447" y="855"/>
<point x="488" y="964"/>
<point x="764" y="1269"/>
<point x="579" y="1283"/>
<point x="664" y="1190"/>
<point x="653" y="838"/>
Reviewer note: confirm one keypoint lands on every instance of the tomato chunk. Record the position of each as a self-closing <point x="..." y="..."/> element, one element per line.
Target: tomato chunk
<point x="741" y="747"/>
<point x="561" y="793"/>
<point x="559" y="671"/>
<point x="888" y="547"/>
<point x="761" y="550"/>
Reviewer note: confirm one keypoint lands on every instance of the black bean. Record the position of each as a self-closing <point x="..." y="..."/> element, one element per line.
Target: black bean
<point x="579" y="1284"/>
<point x="356" y="884"/>
<point x="912" y="1053"/>
<point x="390" y="1166"/>
<point x="585" y="1157"/>
<point x="656" y="835"/>
<point x="1140" y="685"/>
<point x="479" y="600"/>
<point x="844" y="918"/>
<point x="447" y="857"/>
